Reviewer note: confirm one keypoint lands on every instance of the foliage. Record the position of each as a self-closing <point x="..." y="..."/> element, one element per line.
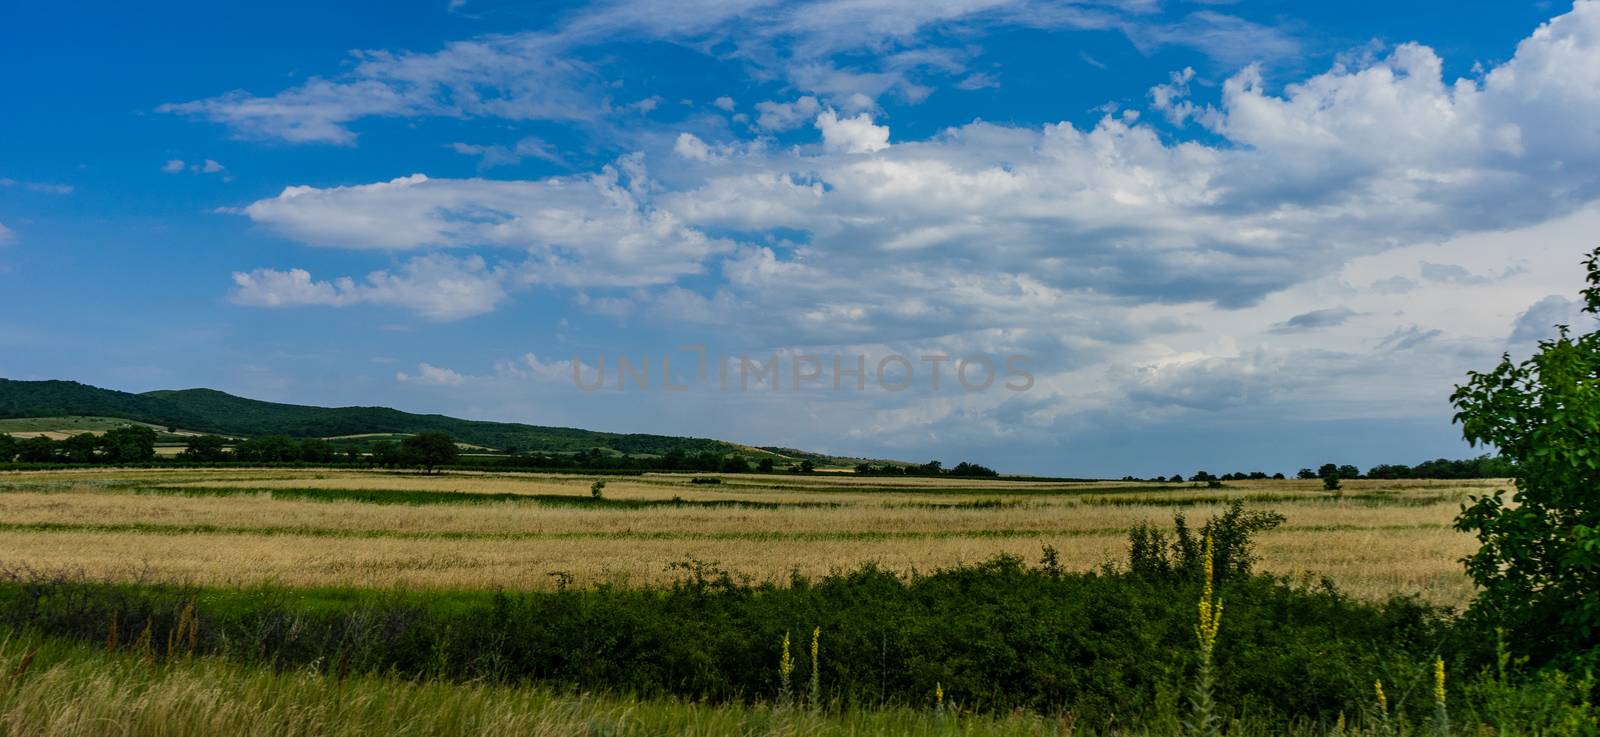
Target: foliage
<point x="428" y="449"/>
<point x="205" y="448"/>
<point x="1185" y="556"/>
<point x="995" y="636"/>
<point x="1538" y="564"/>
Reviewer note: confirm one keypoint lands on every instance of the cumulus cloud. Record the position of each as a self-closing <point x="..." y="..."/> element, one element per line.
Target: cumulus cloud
<point x="7" y="235"/>
<point x="1114" y="247"/>
<point x="438" y="287"/>
<point x="855" y="135"/>
<point x="1346" y="163"/>
<point x="782" y="116"/>
<point x="577" y="231"/>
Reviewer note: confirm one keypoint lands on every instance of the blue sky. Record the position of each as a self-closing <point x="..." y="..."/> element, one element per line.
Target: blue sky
<point x="1233" y="236"/>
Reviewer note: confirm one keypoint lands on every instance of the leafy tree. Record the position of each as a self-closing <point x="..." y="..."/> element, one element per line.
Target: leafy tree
<point x="808" y="466"/>
<point x="1326" y="470"/>
<point x="429" y="449"/>
<point x="37" y="449"/>
<point x="1538" y="564"/>
<point x="765" y="466"/>
<point x="129" y="444"/>
<point x="205" y="448"/>
<point x="386" y="453"/>
<point x="1277" y="476"/>
<point x="1306" y="474"/>
<point x="270" y="449"/>
<point x="8" y="448"/>
<point x="79" y="448"/>
<point x="1349" y="472"/>
<point x="972" y="469"/>
<point x="1330" y="482"/>
<point x="597" y="489"/>
<point x="316" y="450"/>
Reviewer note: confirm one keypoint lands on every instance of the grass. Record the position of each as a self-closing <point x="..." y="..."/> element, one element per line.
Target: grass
<point x="54" y="689"/>
<point x="486" y="530"/>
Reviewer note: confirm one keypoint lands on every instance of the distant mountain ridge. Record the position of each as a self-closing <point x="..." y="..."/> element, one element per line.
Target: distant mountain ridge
<point x="212" y="411"/>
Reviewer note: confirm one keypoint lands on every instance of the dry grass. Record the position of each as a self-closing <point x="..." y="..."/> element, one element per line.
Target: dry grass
<point x="1379" y="538"/>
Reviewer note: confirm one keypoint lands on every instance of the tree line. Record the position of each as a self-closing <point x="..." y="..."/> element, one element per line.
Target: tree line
<point x="1482" y="467"/>
<point x="130" y="444"/>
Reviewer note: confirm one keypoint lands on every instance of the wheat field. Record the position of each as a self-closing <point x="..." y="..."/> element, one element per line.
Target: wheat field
<point x="376" y="529"/>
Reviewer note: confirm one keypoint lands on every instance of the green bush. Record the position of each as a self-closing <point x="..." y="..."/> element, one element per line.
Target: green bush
<point x="997" y="636"/>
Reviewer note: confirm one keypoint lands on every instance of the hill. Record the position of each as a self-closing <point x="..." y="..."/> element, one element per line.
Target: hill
<point x="211" y="411"/>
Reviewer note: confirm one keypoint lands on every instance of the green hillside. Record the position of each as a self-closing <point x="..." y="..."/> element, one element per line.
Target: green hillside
<point x="208" y="410"/>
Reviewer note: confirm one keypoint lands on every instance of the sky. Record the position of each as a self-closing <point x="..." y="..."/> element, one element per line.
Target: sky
<point x="1170" y="235"/>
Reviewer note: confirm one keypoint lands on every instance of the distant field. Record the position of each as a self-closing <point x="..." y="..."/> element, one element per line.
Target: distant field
<point x="473" y="531"/>
<point x="57" y="428"/>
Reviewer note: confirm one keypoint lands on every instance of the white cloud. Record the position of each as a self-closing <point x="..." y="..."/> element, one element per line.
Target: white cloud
<point x="428" y="375"/>
<point x="1364" y="231"/>
<point x="724" y="103"/>
<point x="207" y="166"/>
<point x="689" y="146"/>
<point x="855" y="135"/>
<point x="7" y="235"/>
<point x="577" y="231"/>
<point x="490" y="156"/>
<point x="438" y="287"/>
<point x="782" y="116"/>
<point x="42" y="187"/>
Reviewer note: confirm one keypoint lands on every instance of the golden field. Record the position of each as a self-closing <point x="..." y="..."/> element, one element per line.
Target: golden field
<point x="333" y="528"/>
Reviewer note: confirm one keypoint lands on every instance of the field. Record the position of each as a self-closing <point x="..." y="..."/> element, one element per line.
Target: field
<point x="453" y="531"/>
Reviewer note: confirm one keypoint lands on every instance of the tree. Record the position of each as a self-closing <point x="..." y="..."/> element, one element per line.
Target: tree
<point x="386" y="453"/>
<point x="1348" y="471"/>
<point x="1306" y="474"/>
<point x="1330" y="482"/>
<point x="270" y="449"/>
<point x="8" y="448"/>
<point x="316" y="450"/>
<point x="429" y="449"/>
<point x="765" y="466"/>
<point x="37" y="449"/>
<point x="597" y="489"/>
<point x="1277" y="476"/>
<point x="205" y="448"/>
<point x="1538" y="564"/>
<point x="1326" y="470"/>
<point x="79" y="448"/>
<point x="808" y="466"/>
<point x="129" y="444"/>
